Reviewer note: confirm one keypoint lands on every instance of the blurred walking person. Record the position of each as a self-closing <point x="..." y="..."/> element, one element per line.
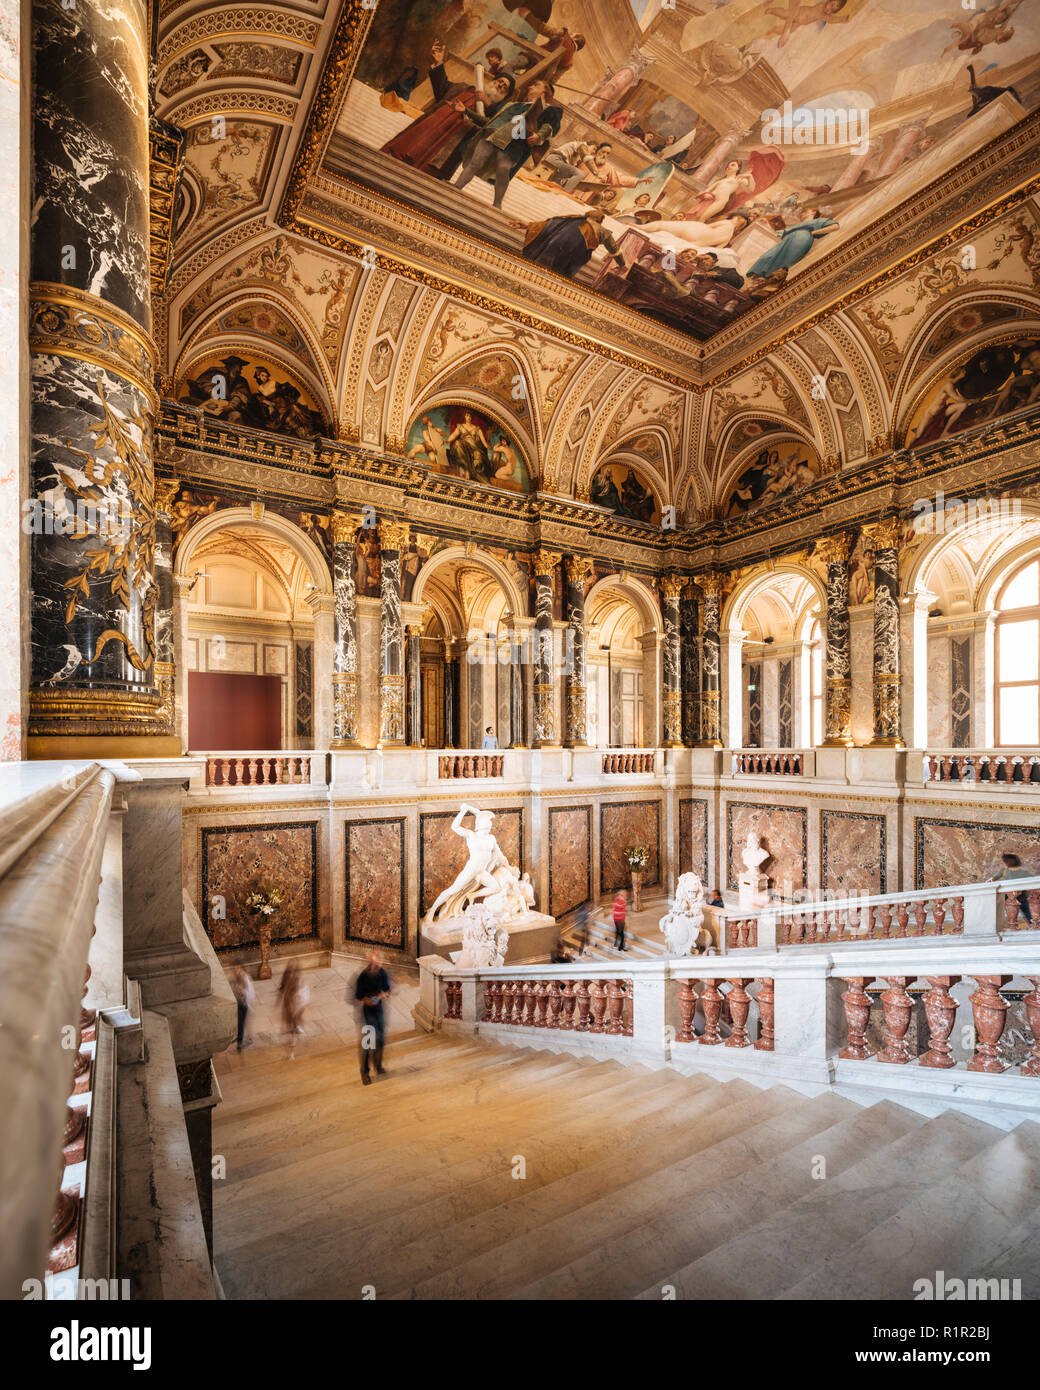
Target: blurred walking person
<point x="245" y="998"/>
<point x="370" y="989"/>
<point x="295" y="994"/>
<point x="620" y="913"/>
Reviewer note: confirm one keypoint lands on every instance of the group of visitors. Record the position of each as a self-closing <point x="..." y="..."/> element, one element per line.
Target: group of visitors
<point x="369" y="990"/>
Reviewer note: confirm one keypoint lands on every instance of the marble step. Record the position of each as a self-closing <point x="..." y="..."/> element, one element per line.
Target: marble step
<point x="835" y="1131"/>
<point x="814" y="1233"/>
<point x="553" y="1226"/>
<point x="958" y="1223"/>
<point x="1018" y="1257"/>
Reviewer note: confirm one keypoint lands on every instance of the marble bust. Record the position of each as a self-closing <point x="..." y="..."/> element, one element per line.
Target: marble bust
<point x="752" y="883"/>
<point x="754" y="854"/>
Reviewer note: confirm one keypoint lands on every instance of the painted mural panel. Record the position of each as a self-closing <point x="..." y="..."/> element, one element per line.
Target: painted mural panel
<point x="685" y="164"/>
<point x="625" y="823"/>
<point x="464" y="443"/>
<point x="236" y="860"/>
<point x="375" y="882"/>
<point x="783" y="831"/>
<point x="776" y="471"/>
<point x="853" y="852"/>
<point x="997" y="380"/>
<point x="953" y="851"/>
<point x="570" y="858"/>
<point x="624" y="490"/>
<point x="253" y="393"/>
<point x="442" y="853"/>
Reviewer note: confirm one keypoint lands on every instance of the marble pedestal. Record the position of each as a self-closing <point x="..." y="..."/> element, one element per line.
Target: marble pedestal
<point x="753" y="891"/>
<point x="531" y="938"/>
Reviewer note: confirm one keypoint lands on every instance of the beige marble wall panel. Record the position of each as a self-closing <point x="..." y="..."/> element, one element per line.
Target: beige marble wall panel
<point x="623" y="824"/>
<point x="570" y="857"/>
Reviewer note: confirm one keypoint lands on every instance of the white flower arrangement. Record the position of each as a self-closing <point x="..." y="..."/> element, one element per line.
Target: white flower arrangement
<point x="264" y="902"/>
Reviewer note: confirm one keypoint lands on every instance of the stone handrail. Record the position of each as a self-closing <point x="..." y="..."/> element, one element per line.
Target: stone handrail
<point x="982" y="767"/>
<point x="58" y="817"/>
<point x="784" y="1016"/>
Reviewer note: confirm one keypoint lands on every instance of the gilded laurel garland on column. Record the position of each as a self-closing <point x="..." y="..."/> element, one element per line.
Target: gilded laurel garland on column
<point x="344" y="707"/>
<point x="72" y="323"/>
<point x="391" y="709"/>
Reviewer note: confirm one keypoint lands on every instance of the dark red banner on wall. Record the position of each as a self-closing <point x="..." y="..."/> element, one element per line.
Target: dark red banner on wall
<point x="227" y="711"/>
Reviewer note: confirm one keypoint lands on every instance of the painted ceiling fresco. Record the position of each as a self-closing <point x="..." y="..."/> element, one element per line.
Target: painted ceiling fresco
<point x="686" y="165"/>
<point x="463" y="442"/>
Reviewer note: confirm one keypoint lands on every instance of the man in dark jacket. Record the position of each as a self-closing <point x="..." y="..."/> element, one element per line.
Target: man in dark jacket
<point x="370" y="989"/>
<point x="515" y="134"/>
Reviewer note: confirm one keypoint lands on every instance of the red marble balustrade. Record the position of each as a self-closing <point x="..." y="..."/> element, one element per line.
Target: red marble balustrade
<point x="471" y="765"/>
<point x="712" y="998"/>
<point x="628" y="762"/>
<point x="578" y="1006"/>
<point x="983" y="769"/>
<point x="259" y="770"/>
<point x="777" y="762"/>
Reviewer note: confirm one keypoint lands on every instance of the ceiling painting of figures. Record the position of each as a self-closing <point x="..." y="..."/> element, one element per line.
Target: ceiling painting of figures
<point x="255" y="393"/>
<point x="778" y="470"/>
<point x="463" y="442"/>
<point x="624" y="490"/>
<point x="685" y="165"/>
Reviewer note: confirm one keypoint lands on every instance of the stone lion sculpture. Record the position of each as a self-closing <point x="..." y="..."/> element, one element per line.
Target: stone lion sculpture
<point x="484" y="943"/>
<point x="682" y="926"/>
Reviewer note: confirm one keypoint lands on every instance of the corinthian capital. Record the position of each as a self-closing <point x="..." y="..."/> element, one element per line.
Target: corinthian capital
<point x="885" y="534"/>
<point x="834" y="550"/>
<point x="545" y="561"/>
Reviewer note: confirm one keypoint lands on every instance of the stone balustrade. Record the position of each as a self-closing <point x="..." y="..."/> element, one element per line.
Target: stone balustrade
<point x="935" y="912"/>
<point x="594" y="1005"/>
<point x="627" y="761"/>
<point x="471" y="765"/>
<point x="263" y="769"/>
<point x="982" y="767"/>
<point x="737" y="1003"/>
<point x="778" y="762"/>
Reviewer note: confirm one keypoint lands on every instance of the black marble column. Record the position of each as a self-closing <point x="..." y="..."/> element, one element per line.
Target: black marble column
<point x="711" y="619"/>
<point x="413" y="654"/>
<point x="345" y="632"/>
<point x="578" y="572"/>
<point x="451" y="696"/>
<point x="93" y="399"/>
<point x="544" y="694"/>
<point x="671" y="663"/>
<point x="883" y="538"/>
<point x="690" y="676"/>
<point x="393" y="537"/>
<point x="165" y="492"/>
<point x="834" y="551"/>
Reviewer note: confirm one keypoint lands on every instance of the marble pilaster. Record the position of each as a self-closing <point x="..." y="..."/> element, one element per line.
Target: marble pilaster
<point x="93" y="673"/>
<point x="544" y="694"/>
<point x="413" y="641"/>
<point x="884" y="540"/>
<point x="711" y="661"/>
<point x="577" y="573"/>
<point x="834" y="551"/>
<point x="345" y="632"/>
<point x="393" y="536"/>
<point x="671" y="662"/>
<point x="323" y="608"/>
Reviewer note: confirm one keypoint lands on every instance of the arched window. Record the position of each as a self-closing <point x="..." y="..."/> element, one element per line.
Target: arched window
<point x="1017" y="658"/>
<point x="816" y="682"/>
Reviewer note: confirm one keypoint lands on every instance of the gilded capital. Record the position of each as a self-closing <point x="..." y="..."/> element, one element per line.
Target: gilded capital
<point x="166" y="489"/>
<point x="579" y="570"/>
<point x="834" y="550"/>
<point x="885" y="534"/>
<point x="545" y="561"/>
<point x="345" y="526"/>
<point x="672" y="585"/>
<point x="711" y="584"/>
<point x="393" y="535"/>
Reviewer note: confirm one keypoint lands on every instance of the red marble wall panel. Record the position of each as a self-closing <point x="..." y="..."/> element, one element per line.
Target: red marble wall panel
<point x="853" y="853"/>
<point x="375" y="882"/>
<point x="442" y="853"/>
<point x="238" y="859"/>
<point x="783" y="830"/>
<point x="625" y="823"/>
<point x="692" y="855"/>
<point x="570" y="857"/>
<point x="956" y="851"/>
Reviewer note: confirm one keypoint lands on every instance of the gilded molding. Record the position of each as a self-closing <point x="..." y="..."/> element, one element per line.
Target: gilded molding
<point x="76" y="712"/>
<point x="166" y="146"/>
<point x="71" y="323"/>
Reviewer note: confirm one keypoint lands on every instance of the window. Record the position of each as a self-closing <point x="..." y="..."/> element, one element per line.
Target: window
<point x="1017" y="658"/>
<point x="816" y="686"/>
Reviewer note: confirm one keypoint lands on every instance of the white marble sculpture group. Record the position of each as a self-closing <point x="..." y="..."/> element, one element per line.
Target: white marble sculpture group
<point x="487" y="893"/>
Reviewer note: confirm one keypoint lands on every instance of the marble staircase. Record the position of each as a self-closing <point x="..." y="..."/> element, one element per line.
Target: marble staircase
<point x="473" y="1170"/>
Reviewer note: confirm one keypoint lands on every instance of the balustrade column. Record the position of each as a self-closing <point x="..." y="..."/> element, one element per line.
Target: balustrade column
<point x="544" y="694"/>
<point x="393" y="537"/>
<point x="671" y="663"/>
<point x="93" y="398"/>
<point x="345" y="636"/>
<point x="690" y="669"/>
<point x="834" y="551"/>
<point x="577" y="572"/>
<point x="413" y="648"/>
<point x="883" y="537"/>
<point x="711" y="660"/>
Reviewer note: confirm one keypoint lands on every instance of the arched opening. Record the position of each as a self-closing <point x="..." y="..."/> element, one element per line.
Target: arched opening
<point x="774" y="662"/>
<point x="1017" y="658"/>
<point x="622" y="636"/>
<point x="254" y="639"/>
<point x="471" y="621"/>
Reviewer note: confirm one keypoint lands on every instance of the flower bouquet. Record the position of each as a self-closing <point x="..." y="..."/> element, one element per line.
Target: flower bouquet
<point x="638" y="857"/>
<point x="264" y="903"/>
